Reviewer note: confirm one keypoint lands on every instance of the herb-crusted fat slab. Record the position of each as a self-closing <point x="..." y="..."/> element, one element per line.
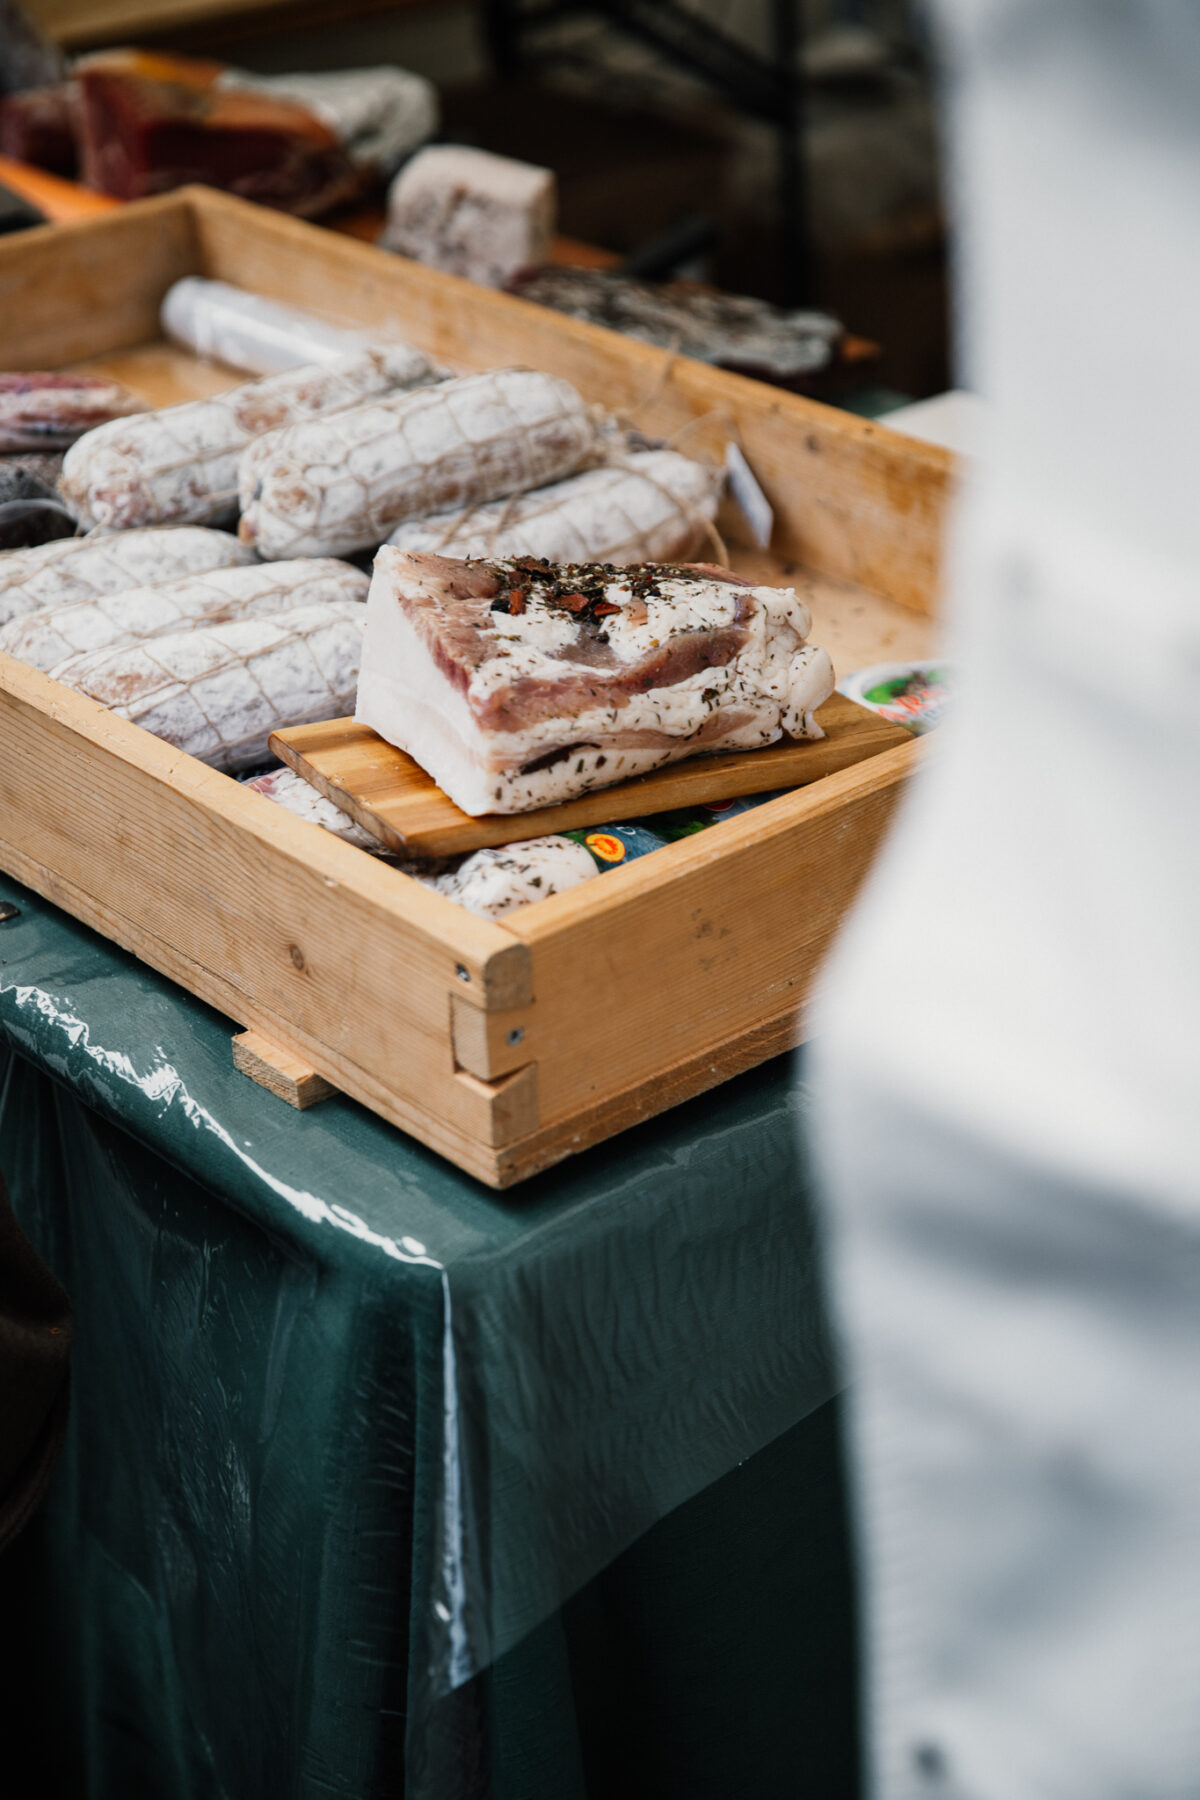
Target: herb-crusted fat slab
<point x="517" y="683"/>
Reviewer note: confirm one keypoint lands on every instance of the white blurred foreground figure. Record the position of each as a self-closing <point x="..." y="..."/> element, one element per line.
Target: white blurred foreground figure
<point x="1010" y="1069"/>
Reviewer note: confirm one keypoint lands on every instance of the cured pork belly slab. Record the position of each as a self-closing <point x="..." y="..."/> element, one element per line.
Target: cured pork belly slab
<point x="516" y="683"/>
<point x="473" y="213"/>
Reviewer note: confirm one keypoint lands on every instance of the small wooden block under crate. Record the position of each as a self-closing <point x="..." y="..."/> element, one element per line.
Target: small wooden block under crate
<point x="392" y="797"/>
<point x="288" y="1077"/>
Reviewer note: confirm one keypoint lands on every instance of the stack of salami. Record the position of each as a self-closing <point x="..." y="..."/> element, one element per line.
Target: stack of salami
<point x="534" y="629"/>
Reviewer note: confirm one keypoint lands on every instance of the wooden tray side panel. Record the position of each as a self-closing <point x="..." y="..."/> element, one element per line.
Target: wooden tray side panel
<point x="633" y="1106"/>
<point x="852" y="499"/>
<point x="276" y="923"/>
<point x="69" y="292"/>
<point x="643" y="972"/>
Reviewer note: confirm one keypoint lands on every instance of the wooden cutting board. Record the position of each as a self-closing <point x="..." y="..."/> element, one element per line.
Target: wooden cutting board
<point x="394" y="799"/>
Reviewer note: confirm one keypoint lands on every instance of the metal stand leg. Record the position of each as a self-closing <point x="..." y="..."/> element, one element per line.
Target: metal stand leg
<point x="795" y="240"/>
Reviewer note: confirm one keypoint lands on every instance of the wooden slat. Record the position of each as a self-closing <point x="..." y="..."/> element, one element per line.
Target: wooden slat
<point x="281" y="925"/>
<point x="647" y="1099"/>
<point x="283" y="1074"/>
<point x="80" y="24"/>
<point x="161" y="373"/>
<point x="641" y="970"/>
<point x="393" y="797"/>
<point x="852" y="499"/>
<point x="70" y="291"/>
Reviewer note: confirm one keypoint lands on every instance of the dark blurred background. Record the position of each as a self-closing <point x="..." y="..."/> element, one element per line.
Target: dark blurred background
<point x="655" y="115"/>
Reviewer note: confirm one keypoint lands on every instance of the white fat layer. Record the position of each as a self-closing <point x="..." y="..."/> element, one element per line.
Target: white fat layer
<point x="774" y="684"/>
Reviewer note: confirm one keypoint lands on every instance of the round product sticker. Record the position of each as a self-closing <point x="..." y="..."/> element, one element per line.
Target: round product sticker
<point x="914" y="694"/>
<point x="609" y="849"/>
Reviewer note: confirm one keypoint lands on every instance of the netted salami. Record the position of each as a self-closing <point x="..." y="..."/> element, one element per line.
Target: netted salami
<point x="86" y="568"/>
<point x="654" y="506"/>
<point x="220" y="691"/>
<point x="49" y="639"/>
<point x="181" y="465"/>
<point x="343" y="483"/>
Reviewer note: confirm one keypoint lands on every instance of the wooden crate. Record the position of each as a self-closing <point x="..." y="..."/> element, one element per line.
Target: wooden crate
<point x="505" y="1046"/>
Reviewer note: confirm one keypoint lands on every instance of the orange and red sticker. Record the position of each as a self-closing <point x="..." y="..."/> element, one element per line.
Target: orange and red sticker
<point x="608" y="848"/>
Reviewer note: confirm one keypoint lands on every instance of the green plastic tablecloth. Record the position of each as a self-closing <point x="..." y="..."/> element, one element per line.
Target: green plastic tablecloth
<point x="380" y="1483"/>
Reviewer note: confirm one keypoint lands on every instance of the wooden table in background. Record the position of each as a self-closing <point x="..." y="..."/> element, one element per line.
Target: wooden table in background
<point x="88" y="24"/>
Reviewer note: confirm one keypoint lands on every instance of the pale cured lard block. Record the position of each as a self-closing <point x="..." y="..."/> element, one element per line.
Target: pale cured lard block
<point x="343" y="483"/>
<point x="652" y="506"/>
<point x="516" y="684"/>
<point x="219" y="691"/>
<point x="180" y="465"/>
<point x="85" y="568"/>
<point x="493" y="882"/>
<point x="471" y="213"/>
<point x="49" y="639"/>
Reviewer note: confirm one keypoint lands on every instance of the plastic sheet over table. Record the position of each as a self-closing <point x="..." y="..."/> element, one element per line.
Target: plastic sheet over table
<point x="347" y="1425"/>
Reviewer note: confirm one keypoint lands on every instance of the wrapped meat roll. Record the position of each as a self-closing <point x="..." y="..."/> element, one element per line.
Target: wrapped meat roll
<point x="218" y="692"/>
<point x="49" y="639"/>
<point x="181" y="465"/>
<point x="291" y="791"/>
<point x="655" y="506"/>
<point x="247" y="331"/>
<point x="51" y="410"/>
<point x="516" y="685"/>
<point x="341" y="484"/>
<point x="86" y="568"/>
<point x="493" y="882"/>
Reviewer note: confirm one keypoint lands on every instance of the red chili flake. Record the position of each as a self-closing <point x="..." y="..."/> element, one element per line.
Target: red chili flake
<point x="574" y="603"/>
<point x="516" y="598"/>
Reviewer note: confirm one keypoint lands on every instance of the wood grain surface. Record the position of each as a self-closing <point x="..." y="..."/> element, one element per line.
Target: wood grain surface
<point x="504" y="1046"/>
<point x="283" y="1074"/>
<point x="643" y="970"/>
<point x="391" y="796"/>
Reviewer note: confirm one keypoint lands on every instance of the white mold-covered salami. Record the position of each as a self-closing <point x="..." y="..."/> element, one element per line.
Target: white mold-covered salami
<point x="298" y="796"/>
<point x="181" y="465"/>
<point x="653" y="507"/>
<point x="218" y="692"/>
<point x="49" y="639"/>
<point x="343" y="483"/>
<point x="497" y="881"/>
<point x="85" y="568"/>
